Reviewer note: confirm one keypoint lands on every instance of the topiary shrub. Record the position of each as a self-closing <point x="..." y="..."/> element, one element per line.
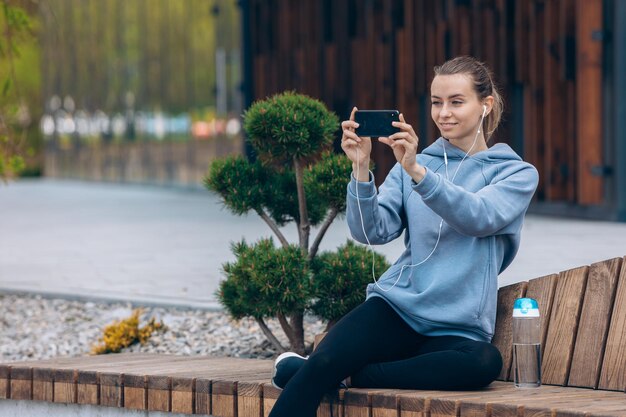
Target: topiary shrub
<point x="295" y="179"/>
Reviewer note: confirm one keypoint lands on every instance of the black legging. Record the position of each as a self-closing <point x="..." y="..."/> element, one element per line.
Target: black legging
<point x="376" y="347"/>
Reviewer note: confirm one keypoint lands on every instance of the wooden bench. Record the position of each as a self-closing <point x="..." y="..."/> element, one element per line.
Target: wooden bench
<point x="583" y="366"/>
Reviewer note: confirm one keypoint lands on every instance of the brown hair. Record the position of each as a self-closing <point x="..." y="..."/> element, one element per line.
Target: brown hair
<point x="483" y="85"/>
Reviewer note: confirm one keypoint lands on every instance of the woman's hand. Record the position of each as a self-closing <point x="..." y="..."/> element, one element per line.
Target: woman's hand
<point x="350" y="143"/>
<point x="404" y="145"/>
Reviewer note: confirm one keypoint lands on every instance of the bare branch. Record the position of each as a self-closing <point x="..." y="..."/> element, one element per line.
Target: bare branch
<point x="274" y="228"/>
<point x="298" y="329"/>
<point x="318" y="239"/>
<point x="305" y="226"/>
<point x="270" y="336"/>
<point x="286" y="327"/>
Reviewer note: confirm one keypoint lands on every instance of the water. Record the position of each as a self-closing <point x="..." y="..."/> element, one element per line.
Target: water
<point x="527" y="364"/>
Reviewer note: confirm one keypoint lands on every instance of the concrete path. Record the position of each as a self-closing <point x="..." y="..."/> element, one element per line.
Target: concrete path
<point x="166" y="246"/>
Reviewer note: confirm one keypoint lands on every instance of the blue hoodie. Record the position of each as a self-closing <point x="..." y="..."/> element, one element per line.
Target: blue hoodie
<point x="455" y="291"/>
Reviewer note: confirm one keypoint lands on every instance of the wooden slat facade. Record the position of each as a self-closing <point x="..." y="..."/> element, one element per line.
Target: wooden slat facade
<point x="584" y="327"/>
<point x="547" y="56"/>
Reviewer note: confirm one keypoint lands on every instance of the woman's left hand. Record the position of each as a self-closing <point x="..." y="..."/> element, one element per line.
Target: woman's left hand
<point x="404" y="145"/>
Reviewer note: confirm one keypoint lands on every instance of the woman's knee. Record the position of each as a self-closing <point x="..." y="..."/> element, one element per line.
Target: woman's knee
<point x="487" y="362"/>
<point x="322" y="360"/>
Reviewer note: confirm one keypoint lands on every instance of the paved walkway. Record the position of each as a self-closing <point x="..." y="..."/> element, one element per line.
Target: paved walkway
<point x="166" y="246"/>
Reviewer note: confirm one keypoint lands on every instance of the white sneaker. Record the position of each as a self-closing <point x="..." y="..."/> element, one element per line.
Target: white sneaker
<point x="285" y="367"/>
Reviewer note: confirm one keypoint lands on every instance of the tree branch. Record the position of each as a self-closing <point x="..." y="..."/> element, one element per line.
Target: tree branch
<point x="318" y="239"/>
<point x="305" y="226"/>
<point x="274" y="228"/>
<point x="298" y="329"/>
<point x="286" y="328"/>
<point x="270" y="336"/>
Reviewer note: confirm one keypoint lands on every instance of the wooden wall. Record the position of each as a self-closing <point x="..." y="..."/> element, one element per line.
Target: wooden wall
<point x="546" y="54"/>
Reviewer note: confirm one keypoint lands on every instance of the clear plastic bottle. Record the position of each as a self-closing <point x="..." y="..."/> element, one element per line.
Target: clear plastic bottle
<point x="526" y="343"/>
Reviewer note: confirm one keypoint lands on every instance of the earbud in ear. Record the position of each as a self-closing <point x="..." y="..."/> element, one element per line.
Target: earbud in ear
<point x="484" y="109"/>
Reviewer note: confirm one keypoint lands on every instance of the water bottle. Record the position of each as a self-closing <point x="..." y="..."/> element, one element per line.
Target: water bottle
<point x="526" y="343"/>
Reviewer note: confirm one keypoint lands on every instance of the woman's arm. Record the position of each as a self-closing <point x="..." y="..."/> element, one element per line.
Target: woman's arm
<point x="381" y="213"/>
<point x="486" y="212"/>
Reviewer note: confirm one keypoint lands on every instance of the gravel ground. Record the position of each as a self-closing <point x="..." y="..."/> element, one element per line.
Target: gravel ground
<point x="32" y="327"/>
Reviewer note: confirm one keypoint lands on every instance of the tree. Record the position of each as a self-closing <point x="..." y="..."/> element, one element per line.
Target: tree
<point x="296" y="178"/>
<point x="15" y="26"/>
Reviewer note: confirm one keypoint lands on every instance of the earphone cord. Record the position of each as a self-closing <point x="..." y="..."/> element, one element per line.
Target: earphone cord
<point x="369" y="245"/>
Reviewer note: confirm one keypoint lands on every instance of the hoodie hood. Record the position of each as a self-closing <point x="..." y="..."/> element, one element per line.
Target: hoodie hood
<point x="497" y="153"/>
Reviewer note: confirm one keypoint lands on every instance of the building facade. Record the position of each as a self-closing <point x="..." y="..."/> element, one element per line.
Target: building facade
<point x="560" y="64"/>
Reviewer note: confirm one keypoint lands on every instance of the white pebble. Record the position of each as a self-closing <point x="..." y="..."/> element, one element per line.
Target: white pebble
<point x="32" y="327"/>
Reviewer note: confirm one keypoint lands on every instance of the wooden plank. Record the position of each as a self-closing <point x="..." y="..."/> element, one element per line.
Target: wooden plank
<point x="87" y="387"/>
<point x="556" y="143"/>
<point x="594" y="323"/>
<point x="356" y="403"/>
<point x="449" y="403"/>
<point x="534" y="103"/>
<point x="419" y="50"/>
<point x="203" y="396"/>
<point x="21" y="383"/>
<point x="159" y="393"/>
<point x="502" y="338"/>
<point x="513" y="403"/>
<point x="135" y="394"/>
<point x="5" y="382"/>
<point x="411" y="405"/>
<point x="443" y="407"/>
<point x="563" y="325"/>
<point x="521" y="42"/>
<point x="613" y="374"/>
<point x="385" y="403"/>
<point x="580" y="404"/>
<point x="503" y="43"/>
<point x="589" y="109"/>
<point x="182" y="395"/>
<point x="65" y="386"/>
<point x="111" y="389"/>
<point x="43" y="384"/>
<point x="415" y="403"/>
<point x="224" y="398"/>
<point x="270" y="395"/>
<point x="542" y="289"/>
<point x="249" y="399"/>
<point x="331" y="405"/>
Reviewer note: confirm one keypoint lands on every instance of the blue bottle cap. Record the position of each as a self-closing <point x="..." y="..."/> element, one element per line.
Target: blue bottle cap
<point x="525" y="307"/>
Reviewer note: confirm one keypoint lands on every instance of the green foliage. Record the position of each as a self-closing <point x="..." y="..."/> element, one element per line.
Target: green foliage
<point x="265" y="281"/>
<point x="124" y="333"/>
<point x="289" y="125"/>
<point x="341" y="278"/>
<point x="291" y="133"/>
<point x="241" y="185"/>
<point x="10" y="165"/>
<point x="20" y="93"/>
<point x="245" y="186"/>
<point x="326" y="180"/>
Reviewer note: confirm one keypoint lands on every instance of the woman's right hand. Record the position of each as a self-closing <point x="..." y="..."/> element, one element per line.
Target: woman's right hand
<point x="350" y="142"/>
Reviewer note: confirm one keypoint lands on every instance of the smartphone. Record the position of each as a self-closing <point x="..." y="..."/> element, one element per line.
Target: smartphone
<point x="376" y="123"/>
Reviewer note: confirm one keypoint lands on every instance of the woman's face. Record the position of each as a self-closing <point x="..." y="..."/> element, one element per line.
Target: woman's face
<point x="456" y="108"/>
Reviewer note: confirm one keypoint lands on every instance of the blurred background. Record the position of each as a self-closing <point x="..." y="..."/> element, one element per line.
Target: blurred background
<point x="150" y="91"/>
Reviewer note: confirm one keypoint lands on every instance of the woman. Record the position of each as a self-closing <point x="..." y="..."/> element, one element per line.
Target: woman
<point x="428" y="321"/>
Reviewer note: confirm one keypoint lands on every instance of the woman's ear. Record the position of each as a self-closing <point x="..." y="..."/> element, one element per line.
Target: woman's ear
<point x="488" y="103"/>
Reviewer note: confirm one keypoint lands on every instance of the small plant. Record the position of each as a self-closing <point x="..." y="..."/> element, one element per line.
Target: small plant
<point x="295" y="179"/>
<point x="124" y="333"/>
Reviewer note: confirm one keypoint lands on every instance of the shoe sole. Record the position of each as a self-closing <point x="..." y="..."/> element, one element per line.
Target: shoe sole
<point x="280" y="358"/>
